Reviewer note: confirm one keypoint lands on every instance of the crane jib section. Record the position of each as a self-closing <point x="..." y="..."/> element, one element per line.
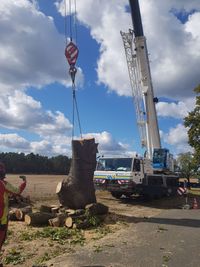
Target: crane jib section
<point x="135" y="79"/>
<point x="142" y="91"/>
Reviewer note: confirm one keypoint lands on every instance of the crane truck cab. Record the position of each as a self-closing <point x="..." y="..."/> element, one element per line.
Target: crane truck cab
<point x="118" y="175"/>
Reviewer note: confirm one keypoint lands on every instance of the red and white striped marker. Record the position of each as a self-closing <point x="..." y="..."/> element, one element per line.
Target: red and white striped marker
<point x="181" y="191"/>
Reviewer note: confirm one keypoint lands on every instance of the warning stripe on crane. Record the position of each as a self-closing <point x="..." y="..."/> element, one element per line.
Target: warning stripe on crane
<point x="71" y="53"/>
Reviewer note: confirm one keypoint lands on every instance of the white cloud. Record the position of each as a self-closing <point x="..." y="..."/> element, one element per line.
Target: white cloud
<point x="173" y="46"/>
<point x="31" y="54"/>
<point x="108" y="145"/>
<point x="61" y="144"/>
<point x="178" y="138"/>
<point x="53" y="145"/>
<point x="31" y="49"/>
<point x="105" y="25"/>
<point x="49" y="147"/>
<point x="175" y="110"/>
<point x="14" y="142"/>
<point x="20" y="111"/>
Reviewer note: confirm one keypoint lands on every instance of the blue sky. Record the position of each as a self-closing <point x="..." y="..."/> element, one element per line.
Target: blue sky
<point x="35" y="88"/>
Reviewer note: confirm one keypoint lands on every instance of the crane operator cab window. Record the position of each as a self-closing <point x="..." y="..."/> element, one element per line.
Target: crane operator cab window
<point x="160" y="158"/>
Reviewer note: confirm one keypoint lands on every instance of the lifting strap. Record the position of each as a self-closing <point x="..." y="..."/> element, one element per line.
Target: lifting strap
<point x="71" y="53"/>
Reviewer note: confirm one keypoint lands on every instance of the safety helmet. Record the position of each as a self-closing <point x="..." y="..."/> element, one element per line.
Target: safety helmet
<point x="2" y="170"/>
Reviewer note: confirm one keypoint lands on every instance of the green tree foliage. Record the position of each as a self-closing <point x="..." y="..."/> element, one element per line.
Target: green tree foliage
<point x="34" y="163"/>
<point x="192" y="121"/>
<point x="187" y="165"/>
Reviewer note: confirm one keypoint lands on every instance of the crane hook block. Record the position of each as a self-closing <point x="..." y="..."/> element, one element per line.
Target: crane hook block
<point x="71" y="53"/>
<point x="72" y="72"/>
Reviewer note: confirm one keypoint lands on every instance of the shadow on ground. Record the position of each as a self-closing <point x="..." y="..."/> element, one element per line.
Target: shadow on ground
<point x="165" y="221"/>
<point x="173" y="202"/>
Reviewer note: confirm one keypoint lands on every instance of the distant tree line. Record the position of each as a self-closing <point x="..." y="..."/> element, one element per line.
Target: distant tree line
<point x="18" y="163"/>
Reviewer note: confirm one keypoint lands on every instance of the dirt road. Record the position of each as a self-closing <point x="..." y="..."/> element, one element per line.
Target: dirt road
<point x="170" y="239"/>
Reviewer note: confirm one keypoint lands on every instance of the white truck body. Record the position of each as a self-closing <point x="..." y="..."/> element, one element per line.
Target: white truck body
<point x="128" y="176"/>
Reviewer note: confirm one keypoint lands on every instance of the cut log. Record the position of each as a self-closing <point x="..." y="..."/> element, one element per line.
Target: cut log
<point x="70" y="211"/>
<point x="44" y="208"/>
<point x="75" y="213"/>
<point x="58" y="221"/>
<point x="55" y="210"/>
<point x="54" y="222"/>
<point x="70" y="221"/>
<point x="12" y="215"/>
<point x="38" y="218"/>
<point x="82" y="225"/>
<point x="20" y="213"/>
<point x="96" y="209"/>
<point x="77" y="190"/>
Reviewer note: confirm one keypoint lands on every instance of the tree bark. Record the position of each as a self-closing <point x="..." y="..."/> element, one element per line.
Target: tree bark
<point x="12" y="215"/>
<point x="20" y="213"/>
<point x="59" y="221"/>
<point x="45" y="208"/>
<point x="74" y="213"/>
<point x="96" y="209"/>
<point x="55" y="210"/>
<point x="77" y="190"/>
<point x="77" y="222"/>
<point x="38" y="218"/>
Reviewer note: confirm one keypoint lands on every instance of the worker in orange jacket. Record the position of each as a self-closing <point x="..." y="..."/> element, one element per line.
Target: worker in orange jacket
<point x="6" y="190"/>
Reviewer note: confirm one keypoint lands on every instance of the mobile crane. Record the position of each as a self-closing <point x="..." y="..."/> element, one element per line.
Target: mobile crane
<point x="151" y="175"/>
<point x="142" y="91"/>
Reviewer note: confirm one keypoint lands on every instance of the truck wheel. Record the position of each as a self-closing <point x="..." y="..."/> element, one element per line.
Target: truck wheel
<point x="116" y="194"/>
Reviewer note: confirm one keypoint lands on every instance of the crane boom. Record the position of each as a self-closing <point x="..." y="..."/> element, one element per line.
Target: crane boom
<point x="142" y="88"/>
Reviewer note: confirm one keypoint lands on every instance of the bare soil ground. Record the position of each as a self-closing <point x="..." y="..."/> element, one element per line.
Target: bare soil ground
<point x="32" y="246"/>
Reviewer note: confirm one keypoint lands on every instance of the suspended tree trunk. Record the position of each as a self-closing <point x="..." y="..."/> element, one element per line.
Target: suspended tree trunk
<point x="77" y="190"/>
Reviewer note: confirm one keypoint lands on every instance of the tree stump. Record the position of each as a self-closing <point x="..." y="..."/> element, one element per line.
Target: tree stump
<point x="77" y="190"/>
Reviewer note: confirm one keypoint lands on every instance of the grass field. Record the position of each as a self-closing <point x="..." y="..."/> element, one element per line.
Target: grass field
<point x="39" y="187"/>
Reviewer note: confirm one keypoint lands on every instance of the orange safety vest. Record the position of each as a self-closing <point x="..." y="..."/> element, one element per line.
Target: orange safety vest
<point x="6" y="189"/>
